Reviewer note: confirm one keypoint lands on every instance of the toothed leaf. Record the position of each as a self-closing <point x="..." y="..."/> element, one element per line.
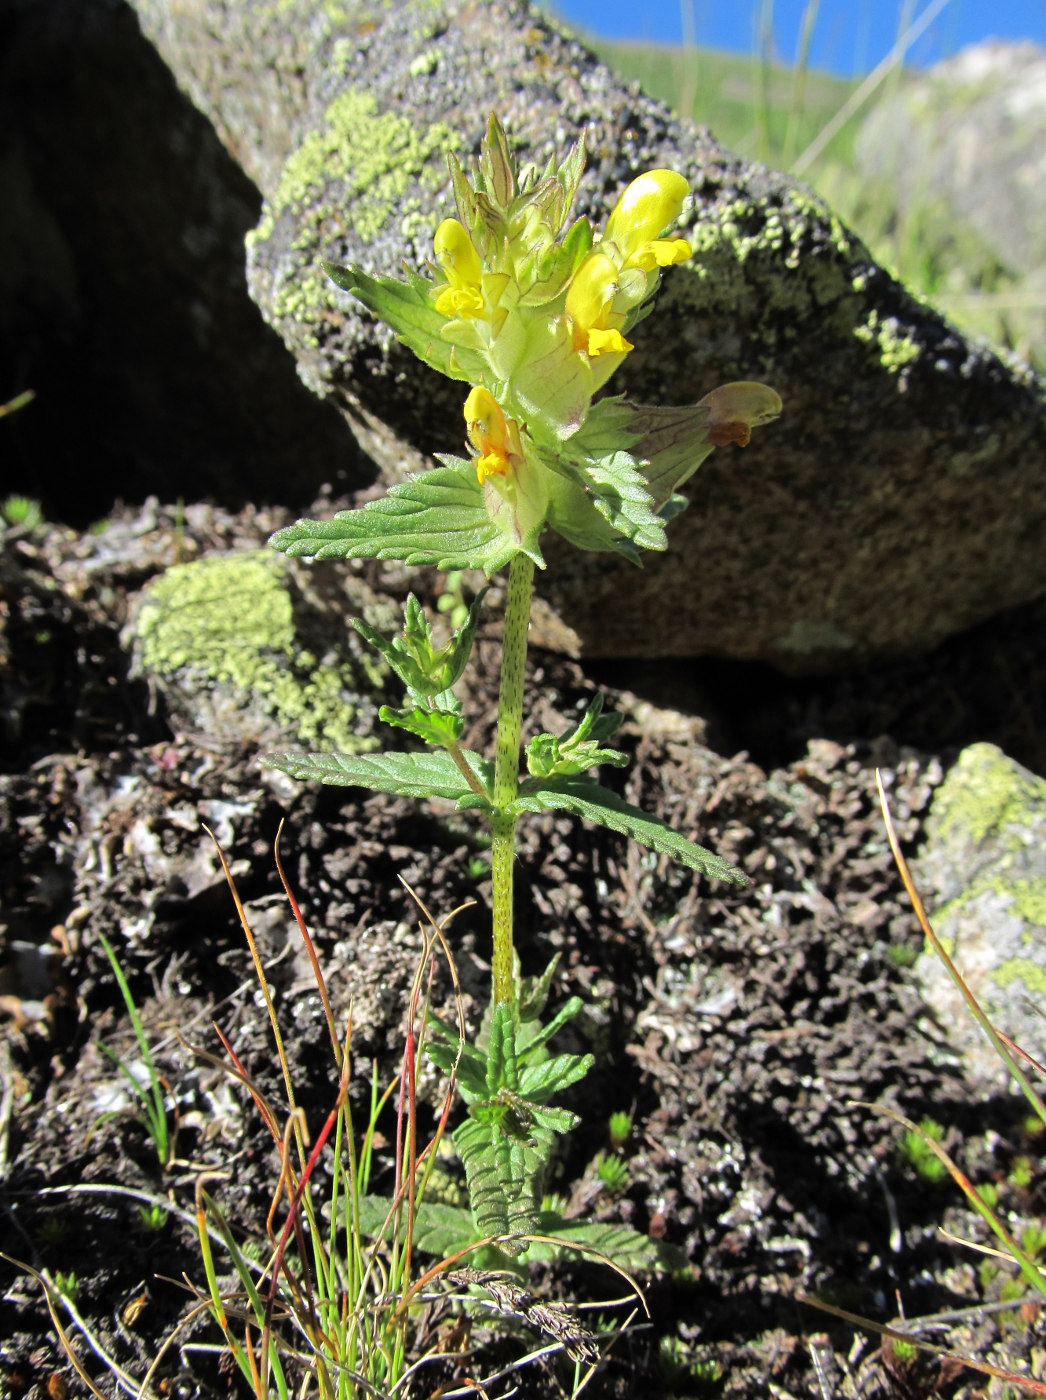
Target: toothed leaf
<point x="598" y="804"/>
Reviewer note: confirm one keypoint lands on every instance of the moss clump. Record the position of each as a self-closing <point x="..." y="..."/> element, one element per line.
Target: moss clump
<point x="227" y="624"/>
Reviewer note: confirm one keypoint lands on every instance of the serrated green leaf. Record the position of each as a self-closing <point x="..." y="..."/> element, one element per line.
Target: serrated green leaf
<point x="407" y="308"/>
<point x="538" y="1082"/>
<point x="502" y="1065"/>
<point x="543" y="1034"/>
<point x="669" y="444"/>
<point x="620" y="1243"/>
<point x="549" y="757"/>
<point x="439" y="518"/>
<point x="434" y="726"/>
<point x="427" y="774"/>
<point x="598" y="804"/>
<point x="475" y="1144"/>
<point x="442" y="1229"/>
<point x="621" y="494"/>
<point x="533" y="993"/>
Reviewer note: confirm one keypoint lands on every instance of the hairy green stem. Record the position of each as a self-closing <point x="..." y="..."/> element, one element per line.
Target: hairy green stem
<point x="506" y="767"/>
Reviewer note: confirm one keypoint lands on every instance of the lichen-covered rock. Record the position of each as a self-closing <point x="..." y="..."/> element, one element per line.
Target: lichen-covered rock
<point x="242" y="655"/>
<point x="899" y="499"/>
<point x="982" y="875"/>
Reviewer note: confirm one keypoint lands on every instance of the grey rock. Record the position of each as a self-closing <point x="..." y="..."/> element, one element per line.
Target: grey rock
<point x="240" y="647"/>
<point x="901" y="497"/>
<point x="971" y="132"/>
<point x="982" y="875"/>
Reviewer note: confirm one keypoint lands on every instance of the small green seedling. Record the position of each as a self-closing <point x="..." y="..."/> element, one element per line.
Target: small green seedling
<point x="914" y="1148"/>
<point x="620" y="1129"/>
<point x="612" y="1172"/>
<point x="150" y="1095"/>
<point x="153" y="1217"/>
<point x="68" y="1285"/>
<point x="1021" y="1173"/>
<point x="22" y="511"/>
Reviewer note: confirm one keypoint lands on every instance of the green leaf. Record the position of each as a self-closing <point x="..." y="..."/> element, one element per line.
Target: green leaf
<point x="533" y="993"/>
<point x="439" y="727"/>
<point x="439" y="518"/>
<point x="540" y="1081"/>
<point x="430" y="774"/>
<point x="475" y="1145"/>
<point x="625" y="1246"/>
<point x="539" y="1036"/>
<point x="669" y="444"/>
<point x="621" y="494"/>
<point x="502" y="1065"/>
<point x="407" y="308"/>
<point x="577" y="751"/>
<point x="598" y="804"/>
<point x="442" y="1229"/>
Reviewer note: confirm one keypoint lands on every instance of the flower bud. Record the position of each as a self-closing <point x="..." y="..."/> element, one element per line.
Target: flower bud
<point x="647" y="207"/>
<point x="457" y="256"/>
<point x="494" y="437"/>
<point x="589" y="303"/>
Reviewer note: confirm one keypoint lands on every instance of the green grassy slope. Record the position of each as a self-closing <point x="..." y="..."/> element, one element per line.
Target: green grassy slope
<point x="771" y="113"/>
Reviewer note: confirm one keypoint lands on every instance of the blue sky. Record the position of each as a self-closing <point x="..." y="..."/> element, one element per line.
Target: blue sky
<point x="850" y="36"/>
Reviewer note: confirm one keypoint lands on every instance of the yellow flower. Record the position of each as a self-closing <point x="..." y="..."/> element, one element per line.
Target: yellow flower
<point x="456" y="255"/>
<point x="589" y="304"/>
<point x="494" y="437"/>
<point x="647" y="207"/>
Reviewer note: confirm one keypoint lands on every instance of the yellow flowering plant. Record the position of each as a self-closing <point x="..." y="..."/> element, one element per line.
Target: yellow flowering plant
<point x="533" y="312"/>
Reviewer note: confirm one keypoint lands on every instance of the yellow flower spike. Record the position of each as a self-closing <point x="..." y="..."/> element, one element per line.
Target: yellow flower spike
<point x="647" y="207"/>
<point x="590" y="298"/>
<point x="494" y="437"/>
<point x="456" y="255"/>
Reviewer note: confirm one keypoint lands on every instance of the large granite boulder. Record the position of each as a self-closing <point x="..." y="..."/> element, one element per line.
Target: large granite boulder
<point x="901" y="497"/>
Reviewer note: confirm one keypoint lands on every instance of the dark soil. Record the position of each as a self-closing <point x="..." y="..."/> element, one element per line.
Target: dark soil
<point x="745" y="1030"/>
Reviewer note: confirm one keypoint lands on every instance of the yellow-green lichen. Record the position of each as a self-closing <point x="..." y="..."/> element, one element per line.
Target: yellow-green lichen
<point x="228" y="622"/>
<point x="425" y="64"/>
<point x="1022" y="969"/>
<point x="895" y="349"/>
<point x="986" y="794"/>
<point x="1029" y="897"/>
<point x="373" y="156"/>
<point x="740" y="247"/>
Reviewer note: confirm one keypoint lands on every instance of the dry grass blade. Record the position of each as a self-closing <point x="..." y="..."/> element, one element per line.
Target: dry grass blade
<point x="882" y="1330"/>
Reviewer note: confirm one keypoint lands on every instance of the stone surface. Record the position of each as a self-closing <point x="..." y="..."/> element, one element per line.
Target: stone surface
<point x="898" y="500"/>
<point x="982" y="875"/>
<point x="971" y="131"/>
<point x="240" y="646"/>
<point x="961" y="148"/>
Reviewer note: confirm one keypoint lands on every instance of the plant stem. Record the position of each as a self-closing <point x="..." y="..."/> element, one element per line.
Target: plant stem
<point x="506" y="767"/>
